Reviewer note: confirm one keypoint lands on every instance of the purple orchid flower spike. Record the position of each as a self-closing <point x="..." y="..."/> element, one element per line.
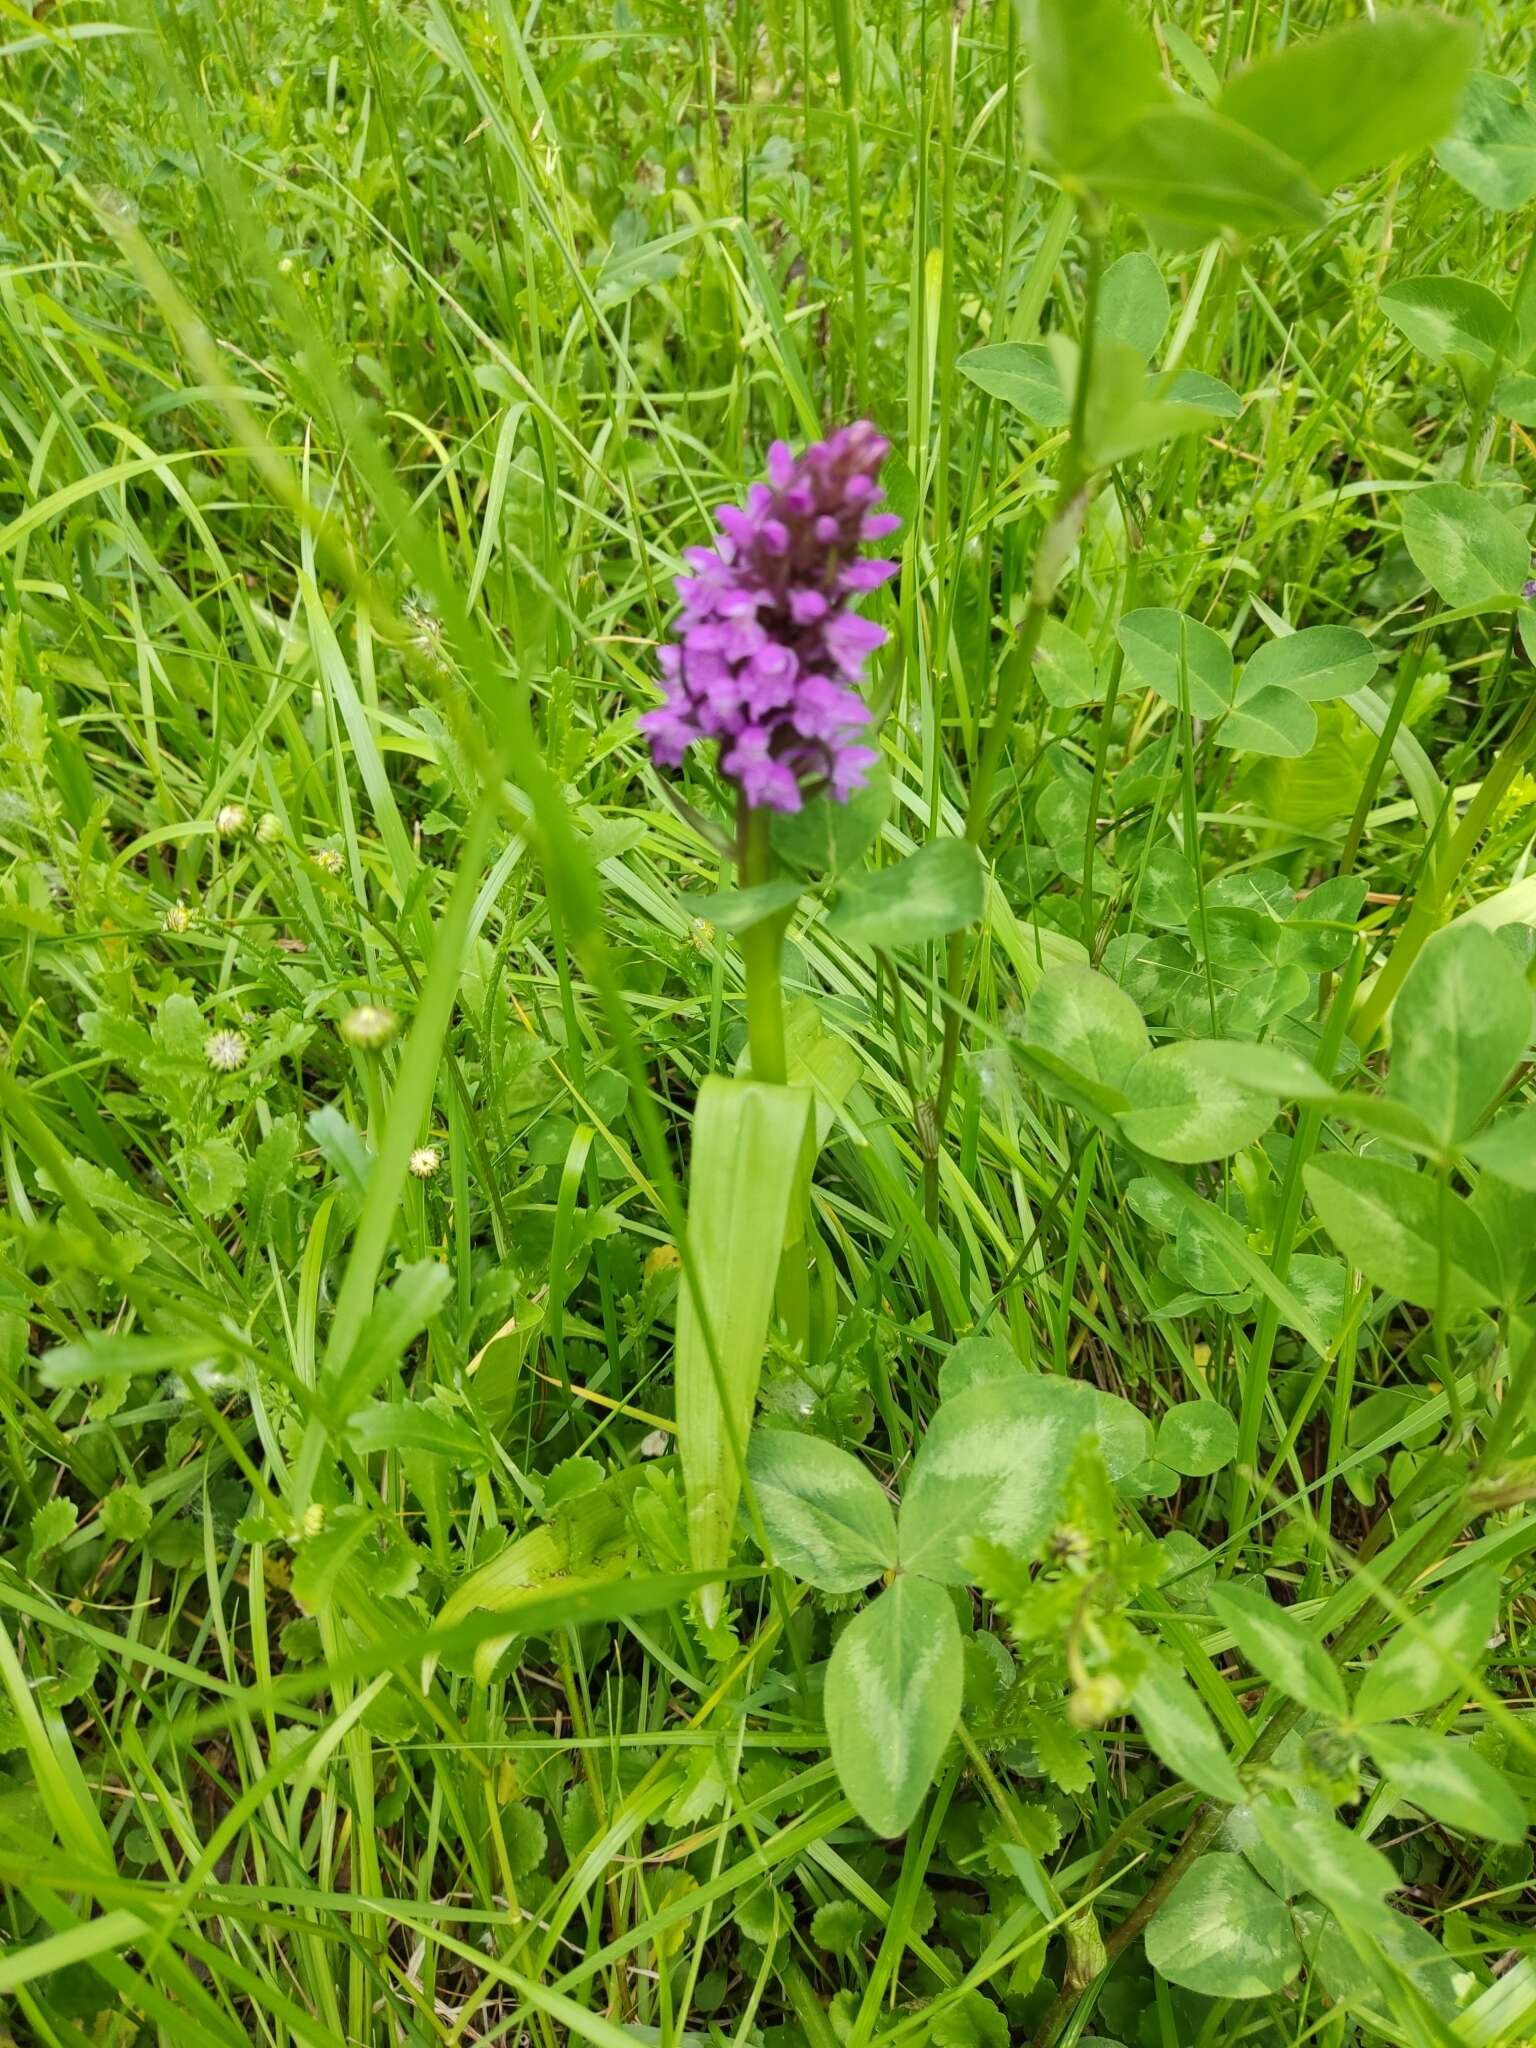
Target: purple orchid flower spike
<point x="769" y="652"/>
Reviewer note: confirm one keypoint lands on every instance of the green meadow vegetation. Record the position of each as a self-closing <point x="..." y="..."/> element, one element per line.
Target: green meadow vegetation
<point x="644" y="1397"/>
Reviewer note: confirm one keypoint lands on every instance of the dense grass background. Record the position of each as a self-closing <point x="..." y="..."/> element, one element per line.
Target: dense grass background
<point x="366" y="369"/>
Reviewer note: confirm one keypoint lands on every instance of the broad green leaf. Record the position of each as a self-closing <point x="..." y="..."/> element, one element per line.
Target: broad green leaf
<point x="1389" y="1221"/>
<point x="748" y="1142"/>
<point x="1491" y="151"/>
<point x="737" y="910"/>
<point x="937" y="890"/>
<point x="1093" y="67"/>
<point x="1345" y="103"/>
<point x="1196" y="1438"/>
<point x="1515" y="398"/>
<point x="1449" y="317"/>
<point x="1167" y="650"/>
<point x="976" y="1361"/>
<point x="1441" y="1655"/>
<point x="588" y="1538"/>
<point x="1460" y="1026"/>
<point x="826" y="1518"/>
<point x="892" y="1700"/>
<point x="1133" y="305"/>
<point x="1318" y="663"/>
<point x="1209" y="394"/>
<point x="995" y="1463"/>
<point x="1470" y="551"/>
<point x="1192" y="171"/>
<point x="1122" y="413"/>
<point x="1064" y="670"/>
<point x="1088" y="1022"/>
<point x="1222" y="1932"/>
<point x="1321" y="930"/>
<point x="1271" y="722"/>
<point x="1450" y="1781"/>
<point x="827" y="837"/>
<point x="1189" y="1108"/>
<point x="1282" y="1649"/>
<point x="1507" y="1149"/>
<point x="1350" y="1877"/>
<point x="1022" y="375"/>
<point x="1410" y="1953"/>
<point x="1174" y="1719"/>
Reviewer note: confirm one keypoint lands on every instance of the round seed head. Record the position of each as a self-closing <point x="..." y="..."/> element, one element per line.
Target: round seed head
<point x="225" y="1051"/>
<point x="178" y="919"/>
<point x="425" y="1161"/>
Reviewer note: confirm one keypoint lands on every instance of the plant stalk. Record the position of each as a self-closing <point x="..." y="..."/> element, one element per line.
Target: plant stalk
<point x="762" y="944"/>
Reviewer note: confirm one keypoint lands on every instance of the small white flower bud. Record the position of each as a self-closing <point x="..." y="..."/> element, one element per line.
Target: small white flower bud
<point x="178" y="919"/>
<point x="231" y="820"/>
<point x="225" y="1051"/>
<point x="425" y="1161"/>
<point x="369" y="1027"/>
<point x="269" y="829"/>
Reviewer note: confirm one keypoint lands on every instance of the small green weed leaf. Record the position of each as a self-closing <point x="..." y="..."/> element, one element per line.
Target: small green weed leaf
<point x="826" y="1518"/>
<point x="1174" y="1720"/>
<point x="1450" y="1781"/>
<point x="1123" y="414"/>
<point x="418" y="1426"/>
<point x="1411" y="1952"/>
<point x="1491" y="152"/>
<point x="1166" y="649"/>
<point x="749" y="1141"/>
<point x="1423" y="1665"/>
<point x="1320" y="931"/>
<point x="1022" y="375"/>
<point x="937" y="890"/>
<point x="1318" y="663"/>
<point x="1282" y="1649"/>
<point x="892" y="1700"/>
<point x="1064" y="670"/>
<point x="52" y="1525"/>
<point x="978" y="1361"/>
<point x="126" y="1513"/>
<point x="827" y="837"/>
<point x="1088" y="1022"/>
<point x="737" y="910"/>
<point x="838" y="1927"/>
<point x="1196" y="1438"/>
<point x="1460" y="1026"/>
<point x="1133" y="305"/>
<point x="1307" y="99"/>
<point x="1195" y="173"/>
<point x="1507" y="1149"/>
<point x="1470" y="551"/>
<point x="995" y="1464"/>
<point x="1271" y="721"/>
<point x="1449" y="318"/>
<point x="1190" y="1108"/>
<point x="1093" y="69"/>
<point x="1387" y="1220"/>
<point x="1350" y="1877"/>
<point x="1222" y="1932"/>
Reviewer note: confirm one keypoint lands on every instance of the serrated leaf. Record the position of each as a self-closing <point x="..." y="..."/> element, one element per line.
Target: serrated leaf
<point x="1222" y="1932"/>
<point x="892" y="1700"/>
<point x="935" y="891"/>
<point x="1450" y="1782"/>
<point x="1174" y="1720"/>
<point x="1390" y="1221"/>
<point x="52" y="1525"/>
<point x="1281" y="1649"/>
<point x="838" y="1927"/>
<point x="825" y="1516"/>
<point x="126" y="1513"/>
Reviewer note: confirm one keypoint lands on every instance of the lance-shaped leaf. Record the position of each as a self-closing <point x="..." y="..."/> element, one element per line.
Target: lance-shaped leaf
<point x="749" y="1141"/>
<point x="1450" y="1781"/>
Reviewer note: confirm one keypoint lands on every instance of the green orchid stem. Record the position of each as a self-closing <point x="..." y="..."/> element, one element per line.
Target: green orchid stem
<point x="762" y="946"/>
